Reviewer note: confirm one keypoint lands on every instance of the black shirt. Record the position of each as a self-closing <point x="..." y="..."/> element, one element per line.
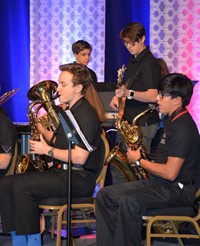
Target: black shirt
<point x="143" y="73"/>
<point x="87" y="120"/>
<point x="180" y="139"/>
<point x="8" y="137"/>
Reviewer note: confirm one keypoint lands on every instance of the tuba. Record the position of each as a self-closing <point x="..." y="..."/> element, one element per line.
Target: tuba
<point x="132" y="134"/>
<point x="42" y="95"/>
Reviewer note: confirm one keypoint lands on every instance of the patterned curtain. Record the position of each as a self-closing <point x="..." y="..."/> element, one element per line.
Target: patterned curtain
<point x="175" y="36"/>
<point x="55" y="25"/>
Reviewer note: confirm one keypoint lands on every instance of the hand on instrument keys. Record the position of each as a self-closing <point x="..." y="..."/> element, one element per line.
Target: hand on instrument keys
<point x="133" y="155"/>
<point x="114" y="103"/>
<point x="122" y="91"/>
<point x="39" y="147"/>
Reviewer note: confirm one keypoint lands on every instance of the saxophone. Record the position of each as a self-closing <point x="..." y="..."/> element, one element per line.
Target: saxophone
<point x="42" y="95"/>
<point x="132" y="134"/>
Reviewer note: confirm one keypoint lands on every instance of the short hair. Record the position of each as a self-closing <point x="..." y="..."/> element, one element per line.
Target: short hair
<point x="80" y="45"/>
<point x="177" y="85"/>
<point x="81" y="74"/>
<point x="133" y="31"/>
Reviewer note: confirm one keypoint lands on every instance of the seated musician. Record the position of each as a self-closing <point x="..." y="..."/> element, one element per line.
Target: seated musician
<point x="119" y="208"/>
<point x="8" y="138"/>
<point x="20" y="194"/>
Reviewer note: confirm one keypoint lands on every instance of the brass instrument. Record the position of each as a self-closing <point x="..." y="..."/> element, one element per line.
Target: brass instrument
<point x="117" y="157"/>
<point x="121" y="101"/>
<point x="6" y="96"/>
<point x="42" y="95"/>
<point x="132" y="134"/>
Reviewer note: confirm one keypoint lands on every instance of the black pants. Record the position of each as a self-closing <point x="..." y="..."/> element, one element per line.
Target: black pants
<point x="119" y="209"/>
<point x="20" y="196"/>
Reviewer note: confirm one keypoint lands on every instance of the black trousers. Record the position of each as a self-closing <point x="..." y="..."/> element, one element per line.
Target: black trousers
<point x="119" y="209"/>
<point x="20" y="196"/>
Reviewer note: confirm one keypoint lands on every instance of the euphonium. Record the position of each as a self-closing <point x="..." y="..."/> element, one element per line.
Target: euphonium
<point x="42" y="95"/>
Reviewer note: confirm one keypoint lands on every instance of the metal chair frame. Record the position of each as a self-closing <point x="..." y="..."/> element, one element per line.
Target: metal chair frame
<point x="58" y="211"/>
<point x="152" y="221"/>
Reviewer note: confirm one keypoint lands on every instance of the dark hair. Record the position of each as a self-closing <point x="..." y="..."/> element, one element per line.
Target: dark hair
<point x="177" y="85"/>
<point x="81" y="74"/>
<point x="133" y="31"/>
<point x="80" y="45"/>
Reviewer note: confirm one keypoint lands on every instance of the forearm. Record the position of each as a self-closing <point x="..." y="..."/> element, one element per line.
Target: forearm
<point x="146" y="96"/>
<point x="77" y="158"/>
<point x="5" y="160"/>
<point x="168" y="171"/>
<point x="155" y="168"/>
<point x="149" y="95"/>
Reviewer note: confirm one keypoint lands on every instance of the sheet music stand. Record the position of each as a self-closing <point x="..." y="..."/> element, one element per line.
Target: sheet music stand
<point x="74" y="136"/>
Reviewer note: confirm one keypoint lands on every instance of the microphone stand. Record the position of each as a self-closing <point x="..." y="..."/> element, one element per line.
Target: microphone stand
<point x="74" y="136"/>
<point x="69" y="136"/>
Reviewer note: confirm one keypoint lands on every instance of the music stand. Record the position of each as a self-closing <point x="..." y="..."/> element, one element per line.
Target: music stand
<point x="74" y="136"/>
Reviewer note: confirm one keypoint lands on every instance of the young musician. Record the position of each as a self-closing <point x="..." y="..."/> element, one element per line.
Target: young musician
<point x="141" y="81"/>
<point x="119" y="208"/>
<point x="20" y="194"/>
<point x="82" y="52"/>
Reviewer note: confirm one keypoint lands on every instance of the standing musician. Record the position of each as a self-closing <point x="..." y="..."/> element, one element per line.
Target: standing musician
<point x="20" y="194"/>
<point x="141" y="81"/>
<point x="82" y="52"/>
<point x="119" y="208"/>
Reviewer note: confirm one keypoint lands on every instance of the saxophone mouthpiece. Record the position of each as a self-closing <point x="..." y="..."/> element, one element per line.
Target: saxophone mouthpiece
<point x="153" y="107"/>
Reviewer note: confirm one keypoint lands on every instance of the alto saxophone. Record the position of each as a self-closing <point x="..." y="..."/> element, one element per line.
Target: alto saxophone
<point x="42" y="96"/>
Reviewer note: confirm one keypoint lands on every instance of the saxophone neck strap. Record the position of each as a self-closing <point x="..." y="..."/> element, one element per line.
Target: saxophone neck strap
<point x="178" y="112"/>
<point x="131" y="80"/>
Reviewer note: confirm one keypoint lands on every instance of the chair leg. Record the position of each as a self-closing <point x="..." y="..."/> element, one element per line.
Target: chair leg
<point x="85" y="217"/>
<point x="52" y="226"/>
<point x="59" y="225"/>
<point x="73" y="243"/>
<point x="176" y="232"/>
<point x="148" y="236"/>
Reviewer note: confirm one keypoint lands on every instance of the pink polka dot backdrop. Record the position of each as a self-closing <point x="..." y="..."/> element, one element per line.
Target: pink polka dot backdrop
<point x="55" y="25"/>
<point x="175" y="36"/>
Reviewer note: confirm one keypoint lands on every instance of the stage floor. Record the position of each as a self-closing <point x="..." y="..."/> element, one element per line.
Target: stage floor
<point x="86" y="237"/>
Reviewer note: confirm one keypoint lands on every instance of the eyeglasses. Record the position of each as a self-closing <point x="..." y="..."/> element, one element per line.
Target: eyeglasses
<point x="161" y="95"/>
<point x="126" y="43"/>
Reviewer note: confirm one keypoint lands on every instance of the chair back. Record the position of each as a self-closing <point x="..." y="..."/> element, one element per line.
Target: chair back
<point x="13" y="162"/>
<point x="102" y="176"/>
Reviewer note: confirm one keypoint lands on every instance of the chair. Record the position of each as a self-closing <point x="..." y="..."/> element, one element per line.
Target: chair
<point x="13" y="162"/>
<point x="57" y="206"/>
<point x="172" y="217"/>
